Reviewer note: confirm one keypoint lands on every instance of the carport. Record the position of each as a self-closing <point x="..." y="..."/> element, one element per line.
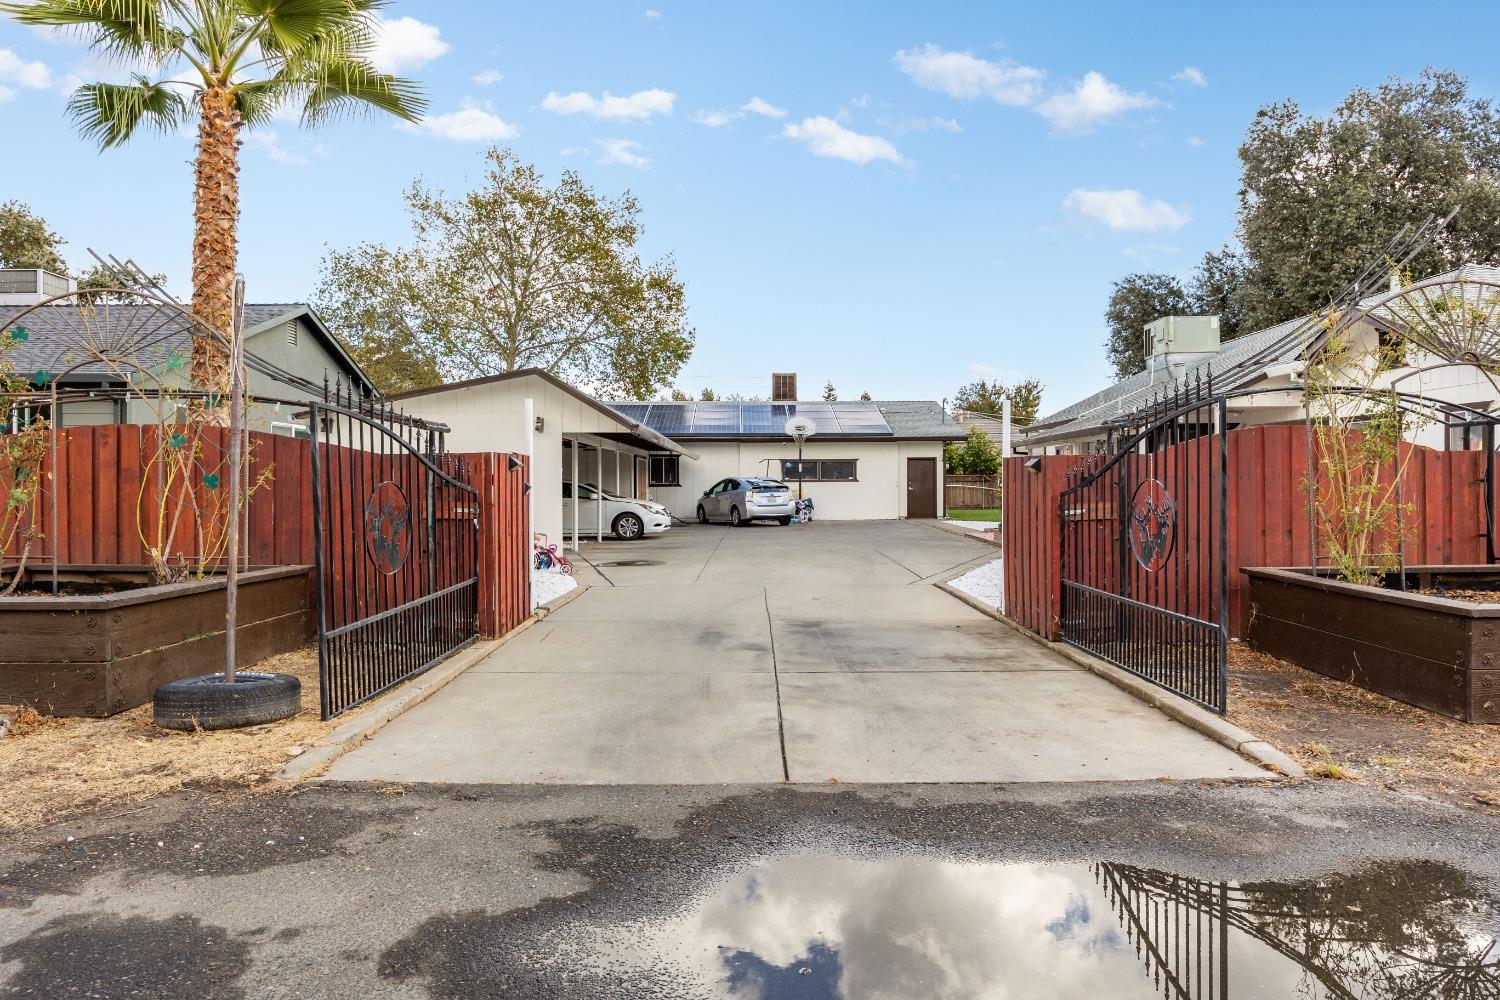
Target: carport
<point x="567" y="433"/>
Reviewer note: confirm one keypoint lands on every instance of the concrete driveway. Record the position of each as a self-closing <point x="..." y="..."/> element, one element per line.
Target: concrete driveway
<point x="812" y="653"/>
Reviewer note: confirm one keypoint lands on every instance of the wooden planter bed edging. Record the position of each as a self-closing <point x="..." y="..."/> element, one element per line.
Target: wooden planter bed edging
<point x="100" y="655"/>
<point x="1432" y="652"/>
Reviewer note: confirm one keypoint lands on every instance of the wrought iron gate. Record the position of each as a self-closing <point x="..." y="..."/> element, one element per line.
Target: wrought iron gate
<point x="397" y="533"/>
<point x="1144" y="546"/>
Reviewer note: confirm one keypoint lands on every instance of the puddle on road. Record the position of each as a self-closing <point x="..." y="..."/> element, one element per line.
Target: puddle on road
<point x="811" y="927"/>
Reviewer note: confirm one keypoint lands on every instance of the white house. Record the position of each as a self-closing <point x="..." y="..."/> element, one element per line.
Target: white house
<point x="864" y="460"/>
<point x="1448" y="321"/>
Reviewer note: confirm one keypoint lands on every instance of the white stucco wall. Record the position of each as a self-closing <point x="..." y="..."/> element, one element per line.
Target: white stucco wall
<point x="491" y="417"/>
<point x="878" y="493"/>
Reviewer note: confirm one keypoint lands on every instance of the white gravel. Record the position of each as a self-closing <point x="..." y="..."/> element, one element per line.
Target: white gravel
<point x="549" y="585"/>
<point x="985" y="584"/>
<point x="973" y="525"/>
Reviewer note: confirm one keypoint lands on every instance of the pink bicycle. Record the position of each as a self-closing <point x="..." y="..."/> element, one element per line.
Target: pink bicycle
<point x="548" y="557"/>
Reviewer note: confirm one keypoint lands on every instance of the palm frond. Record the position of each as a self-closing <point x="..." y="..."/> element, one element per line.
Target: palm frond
<point x="117" y="27"/>
<point x="259" y="100"/>
<point x="290" y="25"/>
<point x="343" y="88"/>
<point x="110" y="113"/>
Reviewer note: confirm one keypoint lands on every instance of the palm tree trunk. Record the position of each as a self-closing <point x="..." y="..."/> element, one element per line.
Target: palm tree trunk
<point x="216" y="212"/>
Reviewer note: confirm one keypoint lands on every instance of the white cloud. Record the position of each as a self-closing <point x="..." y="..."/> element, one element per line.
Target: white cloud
<point x="1192" y="76"/>
<point x="1125" y="210"/>
<point x="472" y="122"/>
<point x="622" y="151"/>
<point x="404" y="43"/>
<point x="269" y="142"/>
<point x="641" y="104"/>
<point x="965" y="75"/>
<point x="1194" y="141"/>
<point x="6" y="94"/>
<point x="1093" y="100"/>
<point x="715" y="119"/>
<point x="33" y="75"/>
<point x="1148" y="251"/>
<point x="651" y="15"/>
<point x="826" y="137"/>
<point x="756" y="106"/>
<point x="488" y="77"/>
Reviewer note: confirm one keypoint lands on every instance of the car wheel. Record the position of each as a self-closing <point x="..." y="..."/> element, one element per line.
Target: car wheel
<point x="734" y="517"/>
<point x="628" y="527"/>
<point x="784" y="521"/>
<point x="702" y="515"/>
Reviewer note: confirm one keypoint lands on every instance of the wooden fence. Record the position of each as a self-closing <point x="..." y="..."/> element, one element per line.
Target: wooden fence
<point x="970" y="492"/>
<point x="1267" y="518"/>
<point x="105" y="484"/>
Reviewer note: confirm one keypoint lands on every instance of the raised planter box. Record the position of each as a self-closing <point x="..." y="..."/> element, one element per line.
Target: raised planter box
<point x="100" y="655"/>
<point x="1433" y="652"/>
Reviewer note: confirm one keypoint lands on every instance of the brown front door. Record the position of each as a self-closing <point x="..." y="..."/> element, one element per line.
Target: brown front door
<point x="921" y="487"/>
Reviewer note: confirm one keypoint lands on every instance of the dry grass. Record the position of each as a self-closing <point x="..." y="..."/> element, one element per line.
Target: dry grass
<point x="1340" y="731"/>
<point x="52" y="769"/>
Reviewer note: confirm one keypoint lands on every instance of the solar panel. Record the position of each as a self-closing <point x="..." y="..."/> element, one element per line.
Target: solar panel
<point x="764" y="418"/>
<point x="669" y="418"/>
<point x="635" y="411"/>
<point x="860" y="418"/>
<point x="716" y="418"/>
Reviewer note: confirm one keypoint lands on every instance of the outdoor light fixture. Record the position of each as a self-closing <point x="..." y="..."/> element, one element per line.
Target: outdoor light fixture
<point x="526" y="489"/>
<point x="540" y="423"/>
<point x="1033" y="465"/>
<point x="512" y="463"/>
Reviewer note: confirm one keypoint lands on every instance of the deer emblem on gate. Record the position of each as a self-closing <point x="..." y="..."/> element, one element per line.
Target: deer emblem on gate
<point x="1153" y="525"/>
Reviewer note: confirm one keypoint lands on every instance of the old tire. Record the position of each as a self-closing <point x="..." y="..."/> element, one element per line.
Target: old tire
<point x="206" y="702"/>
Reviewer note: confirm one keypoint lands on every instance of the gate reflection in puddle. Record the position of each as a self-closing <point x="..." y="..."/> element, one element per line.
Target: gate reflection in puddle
<point x="812" y="926"/>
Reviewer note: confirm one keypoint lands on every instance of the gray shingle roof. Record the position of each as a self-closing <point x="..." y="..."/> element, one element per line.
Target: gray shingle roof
<point x="58" y="335"/>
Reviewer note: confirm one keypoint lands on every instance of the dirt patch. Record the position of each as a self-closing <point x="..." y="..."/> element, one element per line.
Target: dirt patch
<point x="56" y="768"/>
<point x="1340" y="731"/>
<point x="1460" y="594"/>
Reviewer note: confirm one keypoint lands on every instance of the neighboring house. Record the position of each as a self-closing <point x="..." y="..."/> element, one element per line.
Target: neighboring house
<point x="1270" y="359"/>
<point x="992" y="425"/>
<point x="289" y="336"/>
<point x="865" y="460"/>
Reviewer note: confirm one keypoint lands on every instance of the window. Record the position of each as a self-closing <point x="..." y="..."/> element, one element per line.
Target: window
<point x="664" y="470"/>
<point x="820" y="470"/>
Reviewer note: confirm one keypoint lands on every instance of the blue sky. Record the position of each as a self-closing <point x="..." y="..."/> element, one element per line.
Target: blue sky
<point x="923" y="193"/>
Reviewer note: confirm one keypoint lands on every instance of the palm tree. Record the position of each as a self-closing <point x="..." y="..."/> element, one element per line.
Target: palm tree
<point x="233" y="64"/>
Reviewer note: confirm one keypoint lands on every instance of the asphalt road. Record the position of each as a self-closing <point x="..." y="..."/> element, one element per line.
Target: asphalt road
<point x="479" y="891"/>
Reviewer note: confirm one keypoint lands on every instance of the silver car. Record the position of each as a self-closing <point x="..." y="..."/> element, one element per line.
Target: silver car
<point x="742" y="499"/>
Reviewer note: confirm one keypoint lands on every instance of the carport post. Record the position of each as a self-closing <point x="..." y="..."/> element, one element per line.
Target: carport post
<point x="617" y="474"/>
<point x="599" y="491"/>
<point x="575" y="490"/>
<point x="530" y="441"/>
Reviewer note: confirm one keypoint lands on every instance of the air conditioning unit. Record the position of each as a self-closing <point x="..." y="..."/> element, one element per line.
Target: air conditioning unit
<point x="1173" y="343"/>
<point x="27" y="286"/>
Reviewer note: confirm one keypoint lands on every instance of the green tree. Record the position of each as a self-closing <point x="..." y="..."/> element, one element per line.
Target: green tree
<point x="229" y="64"/>
<point x="830" y="394"/>
<point x="678" y="396"/>
<point x="1222" y="286"/>
<point x="864" y="397"/>
<point x="1138" y="299"/>
<point x="1321" y="196"/>
<point x="517" y="274"/>
<point x="25" y="240"/>
<point x="708" y="396"/>
<point x="988" y="397"/>
<point x="976" y="456"/>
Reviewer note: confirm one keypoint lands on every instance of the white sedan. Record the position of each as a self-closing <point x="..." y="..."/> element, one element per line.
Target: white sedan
<point x="627" y="518"/>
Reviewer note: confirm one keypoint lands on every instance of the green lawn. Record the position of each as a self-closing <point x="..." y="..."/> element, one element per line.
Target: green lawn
<point x="982" y="514"/>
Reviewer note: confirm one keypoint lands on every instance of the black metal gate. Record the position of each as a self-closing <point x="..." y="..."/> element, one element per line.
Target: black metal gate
<point x="1145" y="546"/>
<point x="397" y="543"/>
